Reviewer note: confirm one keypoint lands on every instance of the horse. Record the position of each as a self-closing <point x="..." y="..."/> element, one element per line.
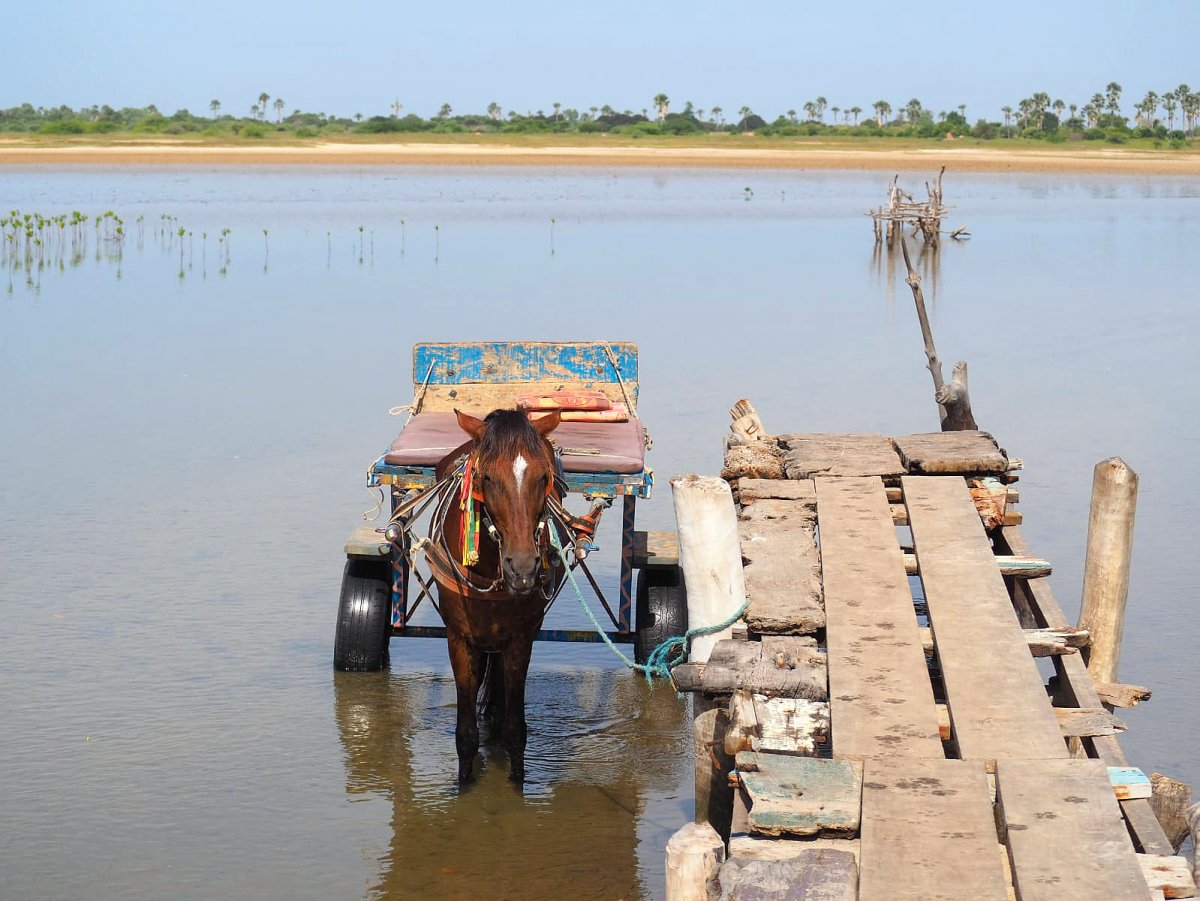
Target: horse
<point x="495" y="572"/>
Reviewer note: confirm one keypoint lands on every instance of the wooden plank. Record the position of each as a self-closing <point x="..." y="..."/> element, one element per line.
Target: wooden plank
<point x="775" y="508"/>
<point x="928" y="832"/>
<point x="1073" y="721"/>
<point x="839" y="455"/>
<point x="881" y="700"/>
<point x="812" y="874"/>
<point x="783" y="576"/>
<point x="801" y="795"/>
<point x="752" y="490"/>
<point x="998" y="704"/>
<point x="776" y="725"/>
<point x="758" y="460"/>
<point x="366" y="542"/>
<point x="1129" y="782"/>
<point x="1170" y="875"/>
<point x="1018" y="567"/>
<point x="655" y="549"/>
<point x="1042" y="642"/>
<point x="951" y="453"/>
<point x="1065" y="836"/>
<point x="1077" y="688"/>
<point x="462" y="362"/>
<point x="743" y="843"/>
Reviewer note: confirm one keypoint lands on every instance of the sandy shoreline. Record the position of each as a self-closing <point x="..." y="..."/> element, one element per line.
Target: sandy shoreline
<point x="1102" y="160"/>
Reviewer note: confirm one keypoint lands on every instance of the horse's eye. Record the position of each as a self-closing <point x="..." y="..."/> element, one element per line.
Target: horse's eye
<point x="487" y="479"/>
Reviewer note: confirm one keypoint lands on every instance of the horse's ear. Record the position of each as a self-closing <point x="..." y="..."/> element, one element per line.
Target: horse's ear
<point x="470" y="425"/>
<point x="544" y="425"/>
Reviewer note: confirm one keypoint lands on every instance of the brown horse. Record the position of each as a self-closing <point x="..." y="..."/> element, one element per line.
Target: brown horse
<point x="493" y="607"/>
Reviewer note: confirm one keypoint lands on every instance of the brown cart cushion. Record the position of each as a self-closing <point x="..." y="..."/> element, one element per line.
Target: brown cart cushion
<point x="586" y="446"/>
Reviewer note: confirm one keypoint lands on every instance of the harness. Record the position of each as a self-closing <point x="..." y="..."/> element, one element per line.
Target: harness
<point x="457" y="573"/>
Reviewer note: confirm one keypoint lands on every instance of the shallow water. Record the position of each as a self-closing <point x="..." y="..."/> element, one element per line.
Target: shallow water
<point x="183" y="456"/>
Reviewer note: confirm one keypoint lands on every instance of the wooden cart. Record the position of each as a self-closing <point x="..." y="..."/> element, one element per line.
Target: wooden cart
<point x="384" y="582"/>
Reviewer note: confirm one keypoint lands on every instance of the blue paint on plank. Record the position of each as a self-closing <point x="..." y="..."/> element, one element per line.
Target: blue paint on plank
<point x="521" y="361"/>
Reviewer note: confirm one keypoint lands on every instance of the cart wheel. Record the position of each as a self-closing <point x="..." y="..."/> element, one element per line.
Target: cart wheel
<point x="661" y="609"/>
<point x="363" y="624"/>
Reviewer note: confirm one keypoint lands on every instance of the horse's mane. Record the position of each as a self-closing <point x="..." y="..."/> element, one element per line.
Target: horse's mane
<point x="507" y="433"/>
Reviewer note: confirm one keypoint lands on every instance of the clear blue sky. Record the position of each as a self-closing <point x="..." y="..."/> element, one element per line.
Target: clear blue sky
<point x="357" y="56"/>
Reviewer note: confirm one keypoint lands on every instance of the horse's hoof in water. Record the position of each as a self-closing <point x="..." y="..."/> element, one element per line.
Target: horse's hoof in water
<point x="466" y="775"/>
<point x="517" y="777"/>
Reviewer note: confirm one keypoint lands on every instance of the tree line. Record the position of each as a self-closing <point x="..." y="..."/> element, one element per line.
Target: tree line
<point x="1035" y="117"/>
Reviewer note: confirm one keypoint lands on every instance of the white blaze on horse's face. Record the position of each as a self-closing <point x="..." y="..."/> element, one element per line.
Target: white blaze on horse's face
<point x="520" y="464"/>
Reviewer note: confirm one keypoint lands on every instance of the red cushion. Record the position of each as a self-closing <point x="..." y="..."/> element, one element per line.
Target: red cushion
<point x="586" y="446"/>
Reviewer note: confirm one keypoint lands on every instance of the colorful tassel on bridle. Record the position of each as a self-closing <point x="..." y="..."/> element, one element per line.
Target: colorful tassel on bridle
<point x="470" y="519"/>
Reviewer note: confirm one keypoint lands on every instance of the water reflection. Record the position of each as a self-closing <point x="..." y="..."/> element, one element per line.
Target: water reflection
<point x="600" y="741"/>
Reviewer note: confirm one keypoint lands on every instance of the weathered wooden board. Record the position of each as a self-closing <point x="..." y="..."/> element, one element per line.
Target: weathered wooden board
<point x="760" y="460"/>
<point x="1129" y="782"/>
<point x="881" y="700"/>
<point x="365" y="541"/>
<point x="1065" y="835"/>
<point x="928" y="832"/>
<point x="775" y="725"/>
<point x="806" y="456"/>
<point x="1170" y="875"/>
<point x="998" y="704"/>
<point x="951" y="453"/>
<point x="655" y="549"/>
<point x="752" y="490"/>
<point x="775" y="508"/>
<point x="813" y="874"/>
<point x="1077" y="688"/>
<point x="801" y="795"/>
<point x="778" y="666"/>
<point x="783" y="576"/>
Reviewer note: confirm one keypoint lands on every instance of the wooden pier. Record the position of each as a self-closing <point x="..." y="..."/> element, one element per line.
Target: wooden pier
<point x="881" y="725"/>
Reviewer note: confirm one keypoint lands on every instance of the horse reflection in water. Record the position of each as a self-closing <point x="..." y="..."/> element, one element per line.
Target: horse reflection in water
<point x="603" y="745"/>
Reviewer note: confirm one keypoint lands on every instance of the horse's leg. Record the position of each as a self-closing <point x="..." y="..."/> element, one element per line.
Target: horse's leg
<point x="466" y="679"/>
<point x="516" y="668"/>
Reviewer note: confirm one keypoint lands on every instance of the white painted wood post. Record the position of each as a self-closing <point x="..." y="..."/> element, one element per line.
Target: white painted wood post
<point x="694" y="857"/>
<point x="1106" y="570"/>
<point x="710" y="556"/>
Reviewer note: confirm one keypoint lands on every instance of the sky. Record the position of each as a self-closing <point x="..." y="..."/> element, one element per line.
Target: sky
<point x="358" y="56"/>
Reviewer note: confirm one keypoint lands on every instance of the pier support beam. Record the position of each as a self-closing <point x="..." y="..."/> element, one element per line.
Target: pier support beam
<point x="710" y="556"/>
<point x="694" y="857"/>
<point x="1106" y="571"/>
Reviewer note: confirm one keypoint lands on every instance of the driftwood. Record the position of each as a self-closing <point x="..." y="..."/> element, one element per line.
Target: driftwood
<point x="954" y="405"/>
<point x="1170" y="801"/>
<point x="1042" y="642"/>
<point x="757" y="460"/>
<point x="747" y="426"/>
<point x="694" y="857"/>
<point x="778" y="666"/>
<point x="1116" y="694"/>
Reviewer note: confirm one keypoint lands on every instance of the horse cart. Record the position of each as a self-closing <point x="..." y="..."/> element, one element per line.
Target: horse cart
<point x="387" y="575"/>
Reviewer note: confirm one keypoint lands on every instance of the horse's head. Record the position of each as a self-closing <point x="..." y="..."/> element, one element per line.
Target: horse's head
<point x="515" y="465"/>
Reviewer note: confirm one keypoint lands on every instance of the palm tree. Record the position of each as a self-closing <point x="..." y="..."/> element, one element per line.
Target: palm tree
<point x="606" y="110"/>
<point x="1040" y="101"/>
<point x="1007" y="110"/>
<point x="717" y="112"/>
<point x="396" y="107"/>
<point x="835" y="110"/>
<point x="215" y="107"/>
<point x="962" y="111"/>
<point x="444" y="111"/>
<point x="662" y="104"/>
<point x="1073" y="107"/>
<point x="913" y="110"/>
<point x="594" y="111"/>
<point x="1058" y="106"/>
<point x="810" y="110"/>
<point x="1150" y="108"/>
<point x="494" y="110"/>
<point x="1182" y="95"/>
<point x="262" y="104"/>
<point x="855" y="111"/>
<point x="791" y="114"/>
<point x="1112" y="96"/>
<point x="821" y="104"/>
<point x="253" y="110"/>
<point x="883" y="109"/>
<point x="557" y="108"/>
<point x="279" y="104"/>
<point x="1169" y="106"/>
<point x="358" y="117"/>
<point x="744" y="112"/>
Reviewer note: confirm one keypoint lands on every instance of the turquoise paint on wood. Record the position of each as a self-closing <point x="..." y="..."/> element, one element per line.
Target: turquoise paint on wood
<point x="524" y="361"/>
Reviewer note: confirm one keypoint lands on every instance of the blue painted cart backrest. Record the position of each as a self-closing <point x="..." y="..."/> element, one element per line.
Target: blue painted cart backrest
<point x="485" y="368"/>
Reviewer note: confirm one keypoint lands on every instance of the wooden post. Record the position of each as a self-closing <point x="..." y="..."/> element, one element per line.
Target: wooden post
<point x="710" y="556"/>
<point x="694" y="857"/>
<point x="1106" y="570"/>
<point x="1194" y="822"/>
<point x="714" y="795"/>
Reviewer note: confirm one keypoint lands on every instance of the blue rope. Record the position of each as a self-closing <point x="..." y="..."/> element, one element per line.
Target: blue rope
<point x="670" y="653"/>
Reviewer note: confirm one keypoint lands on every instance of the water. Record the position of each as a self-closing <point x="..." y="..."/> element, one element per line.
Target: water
<point x="182" y="460"/>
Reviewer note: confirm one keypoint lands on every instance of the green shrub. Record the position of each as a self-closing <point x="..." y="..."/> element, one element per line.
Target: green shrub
<point x="253" y="130"/>
<point x="306" y="132"/>
<point x="1094" y="134"/>
<point x="63" y="127"/>
<point x="103" y="126"/>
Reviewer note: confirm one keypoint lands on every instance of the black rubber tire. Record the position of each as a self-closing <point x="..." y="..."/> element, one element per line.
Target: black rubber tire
<point x="360" y="643"/>
<point x="661" y="609"/>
